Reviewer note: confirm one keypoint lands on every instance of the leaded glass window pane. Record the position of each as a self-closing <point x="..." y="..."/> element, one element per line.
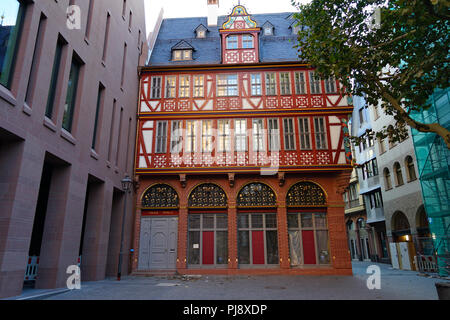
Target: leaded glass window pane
<point x="160" y="196"/>
<point x="207" y="195"/>
<point x="305" y="193"/>
<point x="256" y="194"/>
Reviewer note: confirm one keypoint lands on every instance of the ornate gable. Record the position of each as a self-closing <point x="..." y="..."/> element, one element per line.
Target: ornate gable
<point x="240" y="38"/>
<point x="239" y="19"/>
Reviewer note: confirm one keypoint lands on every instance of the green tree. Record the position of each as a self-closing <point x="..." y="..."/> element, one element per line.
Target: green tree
<point x="396" y="63"/>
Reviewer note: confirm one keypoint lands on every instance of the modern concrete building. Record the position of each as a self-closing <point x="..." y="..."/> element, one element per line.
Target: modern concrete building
<point x="68" y="95"/>
<point x="374" y="244"/>
<point x="400" y="188"/>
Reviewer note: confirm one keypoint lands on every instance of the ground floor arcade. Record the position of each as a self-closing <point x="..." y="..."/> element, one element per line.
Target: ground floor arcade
<point x="241" y="224"/>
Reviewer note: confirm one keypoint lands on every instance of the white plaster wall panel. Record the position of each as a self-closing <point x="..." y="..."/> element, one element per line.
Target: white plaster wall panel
<point x="334" y="119"/>
<point x="153" y="104"/>
<point x="142" y="163"/>
<point x="144" y="107"/>
<point x="341" y="159"/>
<point x="209" y="105"/>
<point x="146" y="84"/>
<point x="148" y="140"/>
<point x="343" y="102"/>
<point x="335" y="134"/>
<point x="148" y="124"/>
<point x="333" y="100"/>
<point x="256" y="101"/>
<point x="246" y="104"/>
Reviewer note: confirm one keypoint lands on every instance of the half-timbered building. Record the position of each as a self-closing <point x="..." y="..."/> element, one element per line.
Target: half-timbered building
<point x="241" y="157"/>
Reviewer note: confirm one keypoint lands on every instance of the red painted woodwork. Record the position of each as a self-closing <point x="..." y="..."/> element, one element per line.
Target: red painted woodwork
<point x="208" y="247"/>
<point x="258" y="247"/>
<point x="309" y="250"/>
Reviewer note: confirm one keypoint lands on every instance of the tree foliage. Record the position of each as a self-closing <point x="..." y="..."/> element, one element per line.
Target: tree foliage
<point x="397" y="63"/>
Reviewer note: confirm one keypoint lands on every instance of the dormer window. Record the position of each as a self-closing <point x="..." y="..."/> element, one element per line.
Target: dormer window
<point x="201" y="34"/>
<point x="268" y="28"/>
<point x="200" y="31"/>
<point x="232" y="42"/>
<point x="182" y="51"/>
<point x="247" y="41"/>
<point x="178" y="55"/>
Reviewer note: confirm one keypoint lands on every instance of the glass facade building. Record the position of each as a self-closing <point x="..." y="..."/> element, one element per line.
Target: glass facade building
<point x="433" y="159"/>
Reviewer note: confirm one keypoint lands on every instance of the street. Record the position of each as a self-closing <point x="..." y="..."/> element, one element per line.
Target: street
<point x="395" y="284"/>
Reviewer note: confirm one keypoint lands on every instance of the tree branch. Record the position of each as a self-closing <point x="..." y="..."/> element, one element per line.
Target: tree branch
<point x="422" y="127"/>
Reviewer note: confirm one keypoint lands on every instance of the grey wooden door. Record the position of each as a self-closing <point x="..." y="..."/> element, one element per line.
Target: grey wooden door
<point x="158" y="243"/>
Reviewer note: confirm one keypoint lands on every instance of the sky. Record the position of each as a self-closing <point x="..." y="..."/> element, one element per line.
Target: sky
<point x="8" y="10"/>
<point x="198" y="8"/>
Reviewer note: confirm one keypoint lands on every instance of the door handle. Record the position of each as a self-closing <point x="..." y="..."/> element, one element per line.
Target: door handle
<point x="172" y="250"/>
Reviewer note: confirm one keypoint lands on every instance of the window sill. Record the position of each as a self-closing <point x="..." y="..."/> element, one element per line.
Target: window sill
<point x="49" y="124"/>
<point x="8" y="96"/>
<point x="94" y="154"/>
<point x="68" y="136"/>
<point x="26" y="109"/>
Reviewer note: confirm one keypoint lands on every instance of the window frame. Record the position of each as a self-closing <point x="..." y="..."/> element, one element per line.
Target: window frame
<point x="274" y="135"/>
<point x="199" y="88"/>
<point x="245" y="41"/>
<point x="191" y="136"/>
<point x="240" y="136"/>
<point x="224" y="135"/>
<point x="207" y="136"/>
<point x="314" y="83"/>
<point x="72" y="93"/>
<point x="322" y="134"/>
<point x="258" y="136"/>
<point x="315" y="228"/>
<point x="184" y="86"/>
<point x="161" y="136"/>
<point x="155" y="87"/>
<point x="249" y="228"/>
<point x="201" y="229"/>
<point x="15" y="37"/>
<point x="285" y="83"/>
<point x="330" y="85"/>
<point x="256" y="86"/>
<point x="304" y="136"/>
<point x="300" y="82"/>
<point x="289" y="135"/>
<point x="270" y="83"/>
<point x="229" y="86"/>
<point x="232" y="39"/>
<point x="176" y="136"/>
<point x="171" y="86"/>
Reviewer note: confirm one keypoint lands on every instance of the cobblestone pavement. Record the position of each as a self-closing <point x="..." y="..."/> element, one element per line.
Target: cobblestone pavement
<point x="395" y="284"/>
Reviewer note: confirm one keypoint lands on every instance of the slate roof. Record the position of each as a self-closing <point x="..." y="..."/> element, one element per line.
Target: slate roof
<point x="273" y="48"/>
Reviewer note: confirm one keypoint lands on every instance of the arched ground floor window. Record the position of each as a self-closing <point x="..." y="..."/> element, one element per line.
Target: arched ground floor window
<point x="257" y="238"/>
<point x="308" y="238"/>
